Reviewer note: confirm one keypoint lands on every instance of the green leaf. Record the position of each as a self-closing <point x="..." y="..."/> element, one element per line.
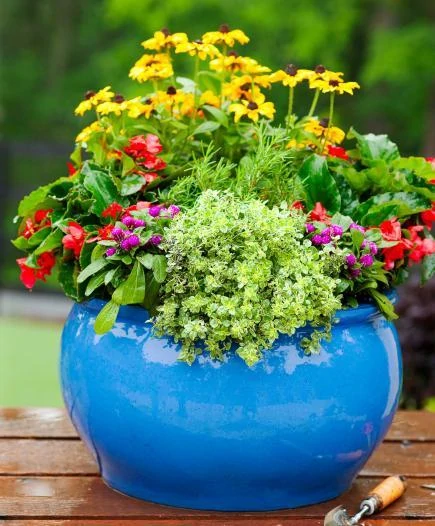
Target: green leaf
<point x="91" y="269"/>
<point x="373" y="147"/>
<point x="217" y="114"/>
<point x="206" y="127"/>
<point x="398" y="204"/>
<point x="132" y="184"/>
<point x="318" y="183"/>
<point x="146" y="260"/>
<point x="428" y="268"/>
<point x="52" y="241"/>
<point x="384" y="304"/>
<point x="30" y="203"/>
<point x="159" y="268"/>
<point x="67" y="277"/>
<point x="151" y="297"/>
<point x="110" y="274"/>
<point x="128" y="164"/>
<point x="95" y="282"/>
<point x="341" y="220"/>
<point x="21" y="243"/>
<point x="102" y="188"/>
<point x="357" y="238"/>
<point x="132" y="290"/>
<point x="98" y="251"/>
<point x="106" y="317"/>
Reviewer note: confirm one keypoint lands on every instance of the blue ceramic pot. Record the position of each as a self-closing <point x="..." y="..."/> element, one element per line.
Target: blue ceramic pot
<point x="292" y="430"/>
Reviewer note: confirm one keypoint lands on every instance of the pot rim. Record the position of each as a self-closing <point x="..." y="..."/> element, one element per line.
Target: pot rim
<point x="139" y="313"/>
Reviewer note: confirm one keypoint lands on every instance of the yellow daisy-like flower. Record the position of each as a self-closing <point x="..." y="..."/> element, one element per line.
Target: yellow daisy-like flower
<point x="164" y="39"/>
<point x="225" y="36"/>
<point x="110" y="107"/>
<point x="320" y="128"/>
<point x="93" y="98"/>
<point x="175" y="101"/>
<point x="293" y="144"/>
<point x="334" y="86"/>
<point x="88" y="131"/>
<point x="136" y="108"/>
<point x="253" y="109"/>
<point x="290" y="75"/>
<point x="210" y="98"/>
<point x="152" y="67"/>
<point x="198" y="48"/>
<point x="233" y="62"/>
<point x="236" y="91"/>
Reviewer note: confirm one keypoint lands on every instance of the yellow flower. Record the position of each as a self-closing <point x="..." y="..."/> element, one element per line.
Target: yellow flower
<point x="175" y="101"/>
<point x="109" y="107"/>
<point x="203" y="51"/>
<point x="234" y="62"/>
<point x="293" y="144"/>
<point x="93" y="99"/>
<point x="334" y="85"/>
<point x="289" y="76"/>
<point x="333" y="135"/>
<point x="235" y="91"/>
<point x="136" y="108"/>
<point x="164" y="39"/>
<point x="253" y="109"/>
<point x="86" y="133"/>
<point x="210" y="98"/>
<point x="225" y="37"/>
<point x="152" y="67"/>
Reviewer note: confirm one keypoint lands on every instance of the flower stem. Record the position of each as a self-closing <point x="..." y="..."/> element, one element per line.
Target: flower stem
<point x="314" y="103"/>
<point x="290" y="107"/>
<point x="331" y="113"/>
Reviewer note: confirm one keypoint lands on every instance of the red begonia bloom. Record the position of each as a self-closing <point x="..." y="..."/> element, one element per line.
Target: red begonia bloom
<point x="297" y="205"/>
<point x="421" y="247"/>
<point x="112" y="211"/>
<point x="319" y="213"/>
<point x="29" y="275"/>
<point x="75" y="238"/>
<point x="153" y="143"/>
<point x="41" y="220"/>
<point x="72" y="170"/>
<point x="391" y="230"/>
<point x="428" y="216"/>
<point x="338" y="151"/>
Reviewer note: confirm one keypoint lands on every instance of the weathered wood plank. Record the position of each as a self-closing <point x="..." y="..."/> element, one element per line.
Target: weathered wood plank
<point x="27" y="422"/>
<point x="54" y="423"/>
<point x="88" y="498"/>
<point x="206" y="522"/>
<point x="66" y="457"/>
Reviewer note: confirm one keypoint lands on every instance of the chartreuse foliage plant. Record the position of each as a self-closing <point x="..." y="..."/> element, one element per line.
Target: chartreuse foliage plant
<point x="191" y="200"/>
<point x="240" y="273"/>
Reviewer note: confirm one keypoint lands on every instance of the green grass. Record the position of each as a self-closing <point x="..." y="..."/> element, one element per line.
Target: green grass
<point x="29" y="354"/>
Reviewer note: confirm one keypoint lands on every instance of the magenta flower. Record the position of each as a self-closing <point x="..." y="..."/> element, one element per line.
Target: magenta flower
<point x="174" y="210"/>
<point x="310" y="228"/>
<point x="373" y="248"/>
<point x="350" y="260"/>
<point x="129" y="221"/>
<point x="154" y="211"/>
<point x="111" y="251"/>
<point x="355" y="226"/>
<point x="366" y="260"/>
<point x="317" y="239"/>
<point x="337" y="230"/>
<point x="355" y="272"/>
<point x="155" y="240"/>
<point x="118" y="233"/>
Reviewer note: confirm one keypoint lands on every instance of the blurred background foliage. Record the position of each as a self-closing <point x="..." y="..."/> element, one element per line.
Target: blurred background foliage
<point x="52" y="51"/>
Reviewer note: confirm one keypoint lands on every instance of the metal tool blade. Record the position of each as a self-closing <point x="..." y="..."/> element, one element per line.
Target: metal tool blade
<point x="337" y="517"/>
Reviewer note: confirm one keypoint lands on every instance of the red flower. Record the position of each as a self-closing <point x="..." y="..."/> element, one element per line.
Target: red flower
<point x="140" y="205"/>
<point x="72" y="170"/>
<point x="337" y="151"/>
<point x="105" y="232"/>
<point x="297" y="205"/>
<point x="75" y="238"/>
<point x="152" y="143"/>
<point x="29" y="275"/>
<point x="139" y="146"/>
<point x="319" y="213"/>
<point x="420" y="246"/>
<point x="391" y="230"/>
<point x="151" y="162"/>
<point x="41" y="220"/>
<point x="112" y="211"/>
<point x="428" y="216"/>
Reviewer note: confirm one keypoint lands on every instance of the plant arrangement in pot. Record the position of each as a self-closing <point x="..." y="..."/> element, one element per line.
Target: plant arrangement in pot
<point x="231" y="344"/>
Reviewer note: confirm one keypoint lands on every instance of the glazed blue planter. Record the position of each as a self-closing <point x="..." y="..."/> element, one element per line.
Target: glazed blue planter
<point x="291" y="431"/>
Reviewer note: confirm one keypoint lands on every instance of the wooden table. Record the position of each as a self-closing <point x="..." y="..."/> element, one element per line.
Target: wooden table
<point x="47" y="478"/>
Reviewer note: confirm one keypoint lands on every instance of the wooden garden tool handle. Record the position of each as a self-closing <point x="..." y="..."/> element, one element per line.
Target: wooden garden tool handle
<point x="385" y="493"/>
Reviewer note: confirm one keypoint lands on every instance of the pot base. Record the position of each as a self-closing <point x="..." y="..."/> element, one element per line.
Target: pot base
<point x="263" y="501"/>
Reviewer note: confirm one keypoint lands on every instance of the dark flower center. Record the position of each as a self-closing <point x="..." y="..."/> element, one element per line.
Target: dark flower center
<point x="324" y="122"/>
<point x="291" y="69"/>
<point x="165" y="31"/>
<point x="320" y="69"/>
<point x="89" y="94"/>
<point x="171" y="90"/>
<point x="118" y="98"/>
<point x="224" y="28"/>
<point x="245" y="87"/>
<point x="233" y="54"/>
<point x="252" y="106"/>
<point x="334" y="83"/>
<point x="148" y="101"/>
<point x="198" y="41"/>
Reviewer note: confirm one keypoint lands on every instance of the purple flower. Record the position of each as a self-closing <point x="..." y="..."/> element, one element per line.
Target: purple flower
<point x="350" y="260"/>
<point x="364" y="243"/>
<point x="337" y="230"/>
<point x="373" y="248"/>
<point x="366" y="260"/>
<point x="125" y="244"/>
<point x="326" y="238"/>
<point x="110" y="251"/>
<point x="355" y="272"/>
<point x="310" y="228"/>
<point x="133" y="240"/>
<point x="118" y="233"/>
<point x="154" y="211"/>
<point x="174" y="210"/>
<point x="354" y="226"/>
<point x="317" y="239"/>
<point x="155" y="240"/>
<point x="129" y="221"/>
<point x="139" y="222"/>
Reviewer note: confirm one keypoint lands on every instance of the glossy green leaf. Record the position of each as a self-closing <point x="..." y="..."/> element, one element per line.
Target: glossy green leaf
<point x="428" y="268"/>
<point x="398" y="204"/>
<point x="51" y="242"/>
<point x="153" y="289"/>
<point x="384" y="304"/>
<point x="102" y="188"/>
<point x="218" y="115"/>
<point x="128" y="164"/>
<point x="373" y="147"/>
<point x="159" y="268"/>
<point x="91" y="269"/>
<point x="206" y="127"/>
<point x="95" y="282"/>
<point x="132" y="290"/>
<point x="106" y="317"/>
<point x="67" y="277"/>
<point x="132" y="184"/>
<point x="146" y="260"/>
<point x="318" y="183"/>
